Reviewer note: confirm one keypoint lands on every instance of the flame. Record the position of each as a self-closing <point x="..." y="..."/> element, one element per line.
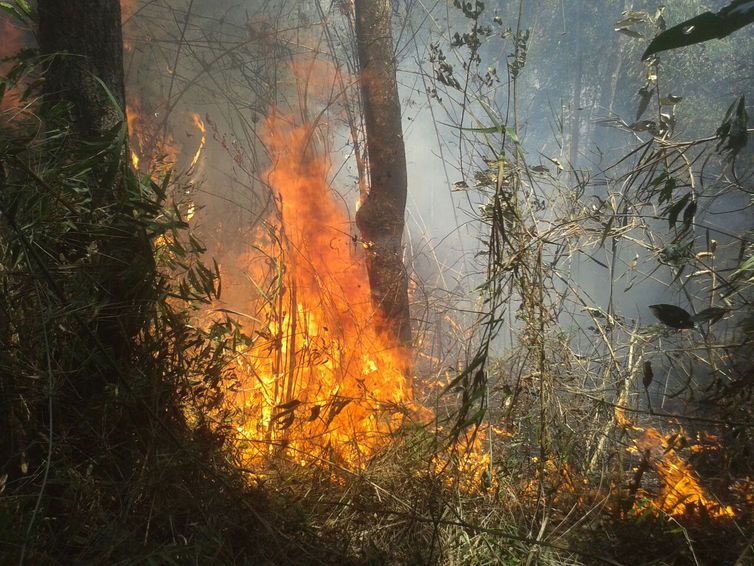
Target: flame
<point x="199" y="124"/>
<point x="152" y="146"/>
<point x="681" y="492"/>
<point x="320" y="382"/>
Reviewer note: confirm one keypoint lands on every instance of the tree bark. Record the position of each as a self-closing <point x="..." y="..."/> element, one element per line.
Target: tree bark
<point x="87" y="39"/>
<point x="380" y="218"/>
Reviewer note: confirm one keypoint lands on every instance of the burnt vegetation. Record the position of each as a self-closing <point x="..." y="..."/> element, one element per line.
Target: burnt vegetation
<point x="205" y="360"/>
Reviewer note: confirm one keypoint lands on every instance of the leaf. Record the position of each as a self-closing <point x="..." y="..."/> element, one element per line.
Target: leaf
<point x="491" y="115"/>
<point x="688" y="214"/>
<point x="284" y="423"/>
<point x="25" y="7"/>
<point x="606" y="231"/>
<point x="667" y="190"/>
<point x="636" y="15"/>
<point x="314" y="413"/>
<point x="733" y="132"/>
<point x="290" y="405"/>
<point x="676" y="209"/>
<point x="702" y="28"/>
<point x="490" y="130"/>
<point x="744" y="268"/>
<point x="672" y="315"/>
<point x="12" y="10"/>
<point x="711" y="314"/>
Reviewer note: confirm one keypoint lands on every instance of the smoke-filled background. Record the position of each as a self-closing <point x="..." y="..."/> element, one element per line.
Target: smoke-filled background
<point x="579" y="259"/>
<point x="576" y="100"/>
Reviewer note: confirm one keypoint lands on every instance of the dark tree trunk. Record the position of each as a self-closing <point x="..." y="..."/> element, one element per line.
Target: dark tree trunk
<point x="381" y="216"/>
<point x="85" y="40"/>
<point x="87" y="35"/>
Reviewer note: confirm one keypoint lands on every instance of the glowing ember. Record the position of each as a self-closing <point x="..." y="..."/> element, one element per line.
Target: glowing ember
<point x="320" y="381"/>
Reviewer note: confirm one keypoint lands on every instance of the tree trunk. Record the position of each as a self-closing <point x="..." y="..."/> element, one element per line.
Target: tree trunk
<point x="380" y="218"/>
<point x="89" y="32"/>
<point x="85" y="40"/>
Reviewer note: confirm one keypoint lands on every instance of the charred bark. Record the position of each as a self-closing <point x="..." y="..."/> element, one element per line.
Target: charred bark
<point x="380" y="218"/>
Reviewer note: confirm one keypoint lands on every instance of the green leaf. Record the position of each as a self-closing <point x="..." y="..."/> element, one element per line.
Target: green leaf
<point x="25" y="7"/>
<point x="11" y="9"/>
<point x="744" y="268"/>
<point x="490" y="130"/>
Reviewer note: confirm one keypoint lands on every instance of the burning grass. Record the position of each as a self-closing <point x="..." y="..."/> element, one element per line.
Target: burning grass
<point x="325" y="413"/>
<point x="318" y="380"/>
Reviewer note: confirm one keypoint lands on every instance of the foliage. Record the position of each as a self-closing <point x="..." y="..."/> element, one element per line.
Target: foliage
<point x="112" y="451"/>
<point x="703" y="27"/>
<point x="580" y="356"/>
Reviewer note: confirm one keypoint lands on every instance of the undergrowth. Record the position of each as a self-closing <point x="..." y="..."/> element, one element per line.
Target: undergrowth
<point x="119" y="448"/>
<point x="108" y="387"/>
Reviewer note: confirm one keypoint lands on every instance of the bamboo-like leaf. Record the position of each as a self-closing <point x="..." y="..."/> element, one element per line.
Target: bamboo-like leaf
<point x="744" y="269"/>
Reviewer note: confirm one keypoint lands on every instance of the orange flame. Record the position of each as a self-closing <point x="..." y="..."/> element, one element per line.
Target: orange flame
<point x="321" y="381"/>
<point x="152" y="146"/>
<point x="681" y="491"/>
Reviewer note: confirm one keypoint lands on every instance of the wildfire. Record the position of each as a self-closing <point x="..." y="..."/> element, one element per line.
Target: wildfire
<point x="681" y="493"/>
<point x="320" y="381"/>
<point x="152" y="146"/>
<point x="199" y="124"/>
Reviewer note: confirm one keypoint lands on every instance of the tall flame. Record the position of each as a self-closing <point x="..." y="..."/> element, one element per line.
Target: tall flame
<point x="321" y="381"/>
